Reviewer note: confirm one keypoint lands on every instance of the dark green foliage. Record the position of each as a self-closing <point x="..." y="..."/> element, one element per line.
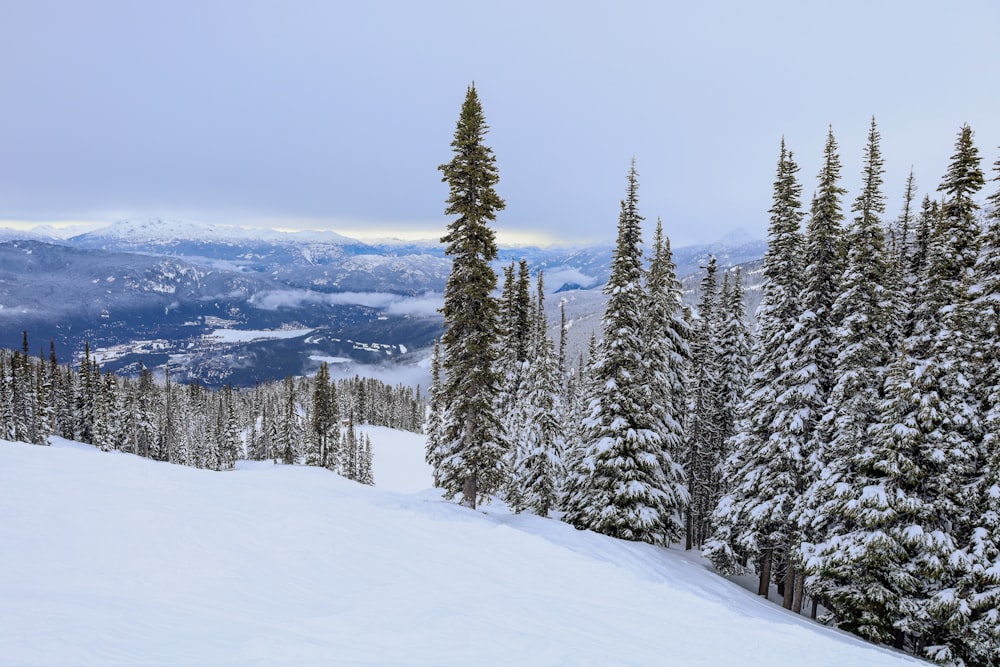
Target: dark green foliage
<point x="752" y="522"/>
<point x="620" y="486"/>
<point x="472" y="461"/>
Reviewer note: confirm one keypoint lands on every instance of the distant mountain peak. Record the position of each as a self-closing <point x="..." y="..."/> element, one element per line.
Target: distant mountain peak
<point x="159" y="230"/>
<point x="737" y="237"/>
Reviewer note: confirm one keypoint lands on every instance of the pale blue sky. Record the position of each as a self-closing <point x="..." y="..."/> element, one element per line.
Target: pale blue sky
<point x="335" y="115"/>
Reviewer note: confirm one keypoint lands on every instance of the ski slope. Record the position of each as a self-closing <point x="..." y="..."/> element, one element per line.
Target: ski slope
<point x="109" y="559"/>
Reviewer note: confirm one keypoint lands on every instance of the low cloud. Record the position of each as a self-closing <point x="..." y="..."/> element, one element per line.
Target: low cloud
<point x="426" y="304"/>
<point x="557" y="277"/>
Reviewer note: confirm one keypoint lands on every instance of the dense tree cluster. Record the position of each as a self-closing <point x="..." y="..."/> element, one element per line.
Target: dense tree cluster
<point x="602" y="443"/>
<point x="847" y="452"/>
<point x="299" y="420"/>
<point x="863" y="472"/>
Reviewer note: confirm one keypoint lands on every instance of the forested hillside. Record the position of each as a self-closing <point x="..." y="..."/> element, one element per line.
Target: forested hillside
<point x="846" y="452"/>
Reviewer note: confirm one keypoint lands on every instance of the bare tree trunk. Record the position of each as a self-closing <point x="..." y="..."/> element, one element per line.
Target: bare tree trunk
<point x="815" y="609"/>
<point x="786" y="600"/>
<point x="469" y="491"/>
<point x="800" y="582"/>
<point x="765" y="573"/>
<point x="688" y="530"/>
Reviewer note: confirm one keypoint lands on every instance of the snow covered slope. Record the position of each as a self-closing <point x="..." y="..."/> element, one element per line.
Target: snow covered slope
<point x="111" y="559"/>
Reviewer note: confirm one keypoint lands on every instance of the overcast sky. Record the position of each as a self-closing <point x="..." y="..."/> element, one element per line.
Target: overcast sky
<point x="335" y="115"/>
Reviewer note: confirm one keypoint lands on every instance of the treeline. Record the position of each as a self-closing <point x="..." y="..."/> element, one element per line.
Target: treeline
<point x="298" y="420"/>
<point x="847" y="452"/>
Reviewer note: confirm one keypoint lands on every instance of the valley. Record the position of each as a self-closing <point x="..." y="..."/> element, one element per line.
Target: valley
<point x="156" y="294"/>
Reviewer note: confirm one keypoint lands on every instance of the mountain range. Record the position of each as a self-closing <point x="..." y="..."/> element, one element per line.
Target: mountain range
<point x="225" y="304"/>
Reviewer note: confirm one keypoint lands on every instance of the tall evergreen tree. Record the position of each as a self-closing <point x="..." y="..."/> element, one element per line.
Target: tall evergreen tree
<point x="538" y="470"/>
<point x="901" y="239"/>
<point x="954" y="443"/>
<point x="366" y="465"/>
<point x="908" y="503"/>
<point x="734" y="344"/>
<point x="472" y="461"/>
<point x="514" y="370"/>
<point x="289" y="442"/>
<point x="626" y="493"/>
<point x="979" y="585"/>
<point x="231" y="445"/>
<point x="752" y="520"/>
<point x="865" y="310"/>
<point x="805" y="384"/>
<point x="703" y="447"/>
<point x="666" y="339"/>
<point x="434" y="451"/>
<point x="324" y="421"/>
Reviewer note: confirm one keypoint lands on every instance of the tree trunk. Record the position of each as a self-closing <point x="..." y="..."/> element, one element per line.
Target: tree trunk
<point x="470" y="487"/>
<point x="815" y="609"/>
<point x="800" y="581"/>
<point x="688" y="537"/>
<point x="469" y="491"/>
<point x="790" y="575"/>
<point x="765" y="573"/>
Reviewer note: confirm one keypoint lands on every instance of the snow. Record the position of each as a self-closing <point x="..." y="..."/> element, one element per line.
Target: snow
<point x="170" y="231"/>
<point x="110" y="559"/>
<point x="398" y="459"/>
<point x="246" y="335"/>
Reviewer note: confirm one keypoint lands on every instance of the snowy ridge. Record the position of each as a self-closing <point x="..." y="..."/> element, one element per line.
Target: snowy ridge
<point x="157" y="230"/>
<point x="113" y="559"/>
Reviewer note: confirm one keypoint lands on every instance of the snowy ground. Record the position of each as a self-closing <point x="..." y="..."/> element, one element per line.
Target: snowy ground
<point x="112" y="559"/>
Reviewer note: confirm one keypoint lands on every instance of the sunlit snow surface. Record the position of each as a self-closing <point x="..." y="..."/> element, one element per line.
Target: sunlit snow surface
<point x="113" y="559"/>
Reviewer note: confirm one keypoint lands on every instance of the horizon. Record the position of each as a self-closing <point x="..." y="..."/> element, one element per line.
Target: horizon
<point x="67" y="229"/>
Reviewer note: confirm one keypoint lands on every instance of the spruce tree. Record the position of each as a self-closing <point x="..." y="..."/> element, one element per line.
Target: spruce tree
<point x="752" y="520"/>
<point x="472" y="461"/>
<point x="324" y="418"/>
<point x="865" y="310"/>
<point x="734" y="344"/>
<point x="538" y="470"/>
<point x="6" y="401"/>
<point x="965" y="606"/>
<point x="703" y="446"/>
<point x="668" y="354"/>
<point x="980" y="583"/>
<point x="350" y="462"/>
<point x="366" y="465"/>
<point x="514" y="370"/>
<point x="434" y="452"/>
<point x="805" y="384"/>
<point x="908" y="503"/>
<point x="289" y="427"/>
<point x="901" y="240"/>
<point x="231" y="445"/>
<point x="626" y="493"/>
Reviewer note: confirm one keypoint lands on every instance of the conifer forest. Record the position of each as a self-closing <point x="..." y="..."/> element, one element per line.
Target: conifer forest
<point x="842" y="444"/>
<point x="299" y="420"/>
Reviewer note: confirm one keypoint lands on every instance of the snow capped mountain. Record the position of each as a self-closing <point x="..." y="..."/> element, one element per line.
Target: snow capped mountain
<point x="113" y="559"/>
<point x="159" y="231"/>
<point x="36" y="234"/>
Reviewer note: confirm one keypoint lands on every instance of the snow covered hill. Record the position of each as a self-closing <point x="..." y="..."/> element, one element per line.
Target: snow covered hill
<point x="113" y="559"/>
